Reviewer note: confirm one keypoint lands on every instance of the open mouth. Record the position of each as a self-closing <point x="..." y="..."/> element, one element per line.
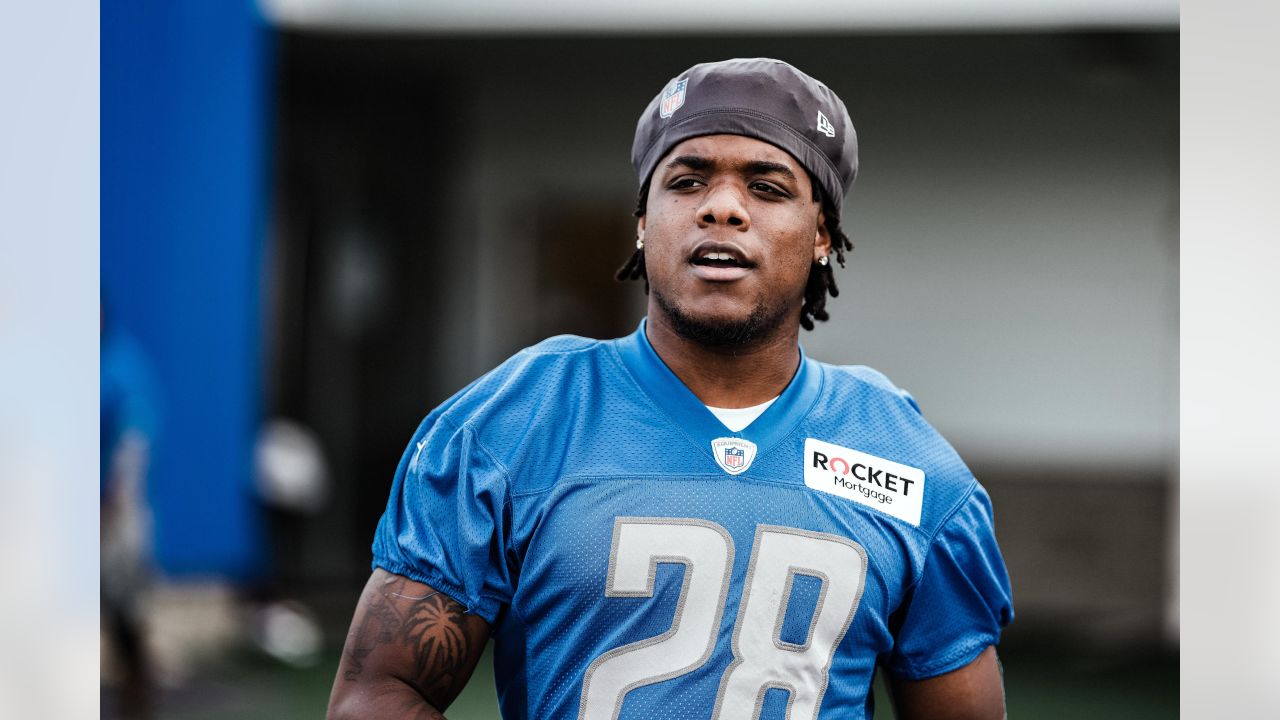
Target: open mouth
<point x="719" y="257"/>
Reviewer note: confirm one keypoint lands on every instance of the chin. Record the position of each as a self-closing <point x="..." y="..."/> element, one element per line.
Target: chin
<point x="721" y="327"/>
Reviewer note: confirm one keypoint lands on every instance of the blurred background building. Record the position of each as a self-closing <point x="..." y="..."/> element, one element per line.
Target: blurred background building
<point x="320" y="218"/>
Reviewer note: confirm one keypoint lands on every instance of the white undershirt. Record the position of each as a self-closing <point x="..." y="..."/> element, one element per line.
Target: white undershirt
<point x="738" y="418"/>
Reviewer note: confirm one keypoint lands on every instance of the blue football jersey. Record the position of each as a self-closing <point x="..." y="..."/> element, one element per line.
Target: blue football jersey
<point x="636" y="559"/>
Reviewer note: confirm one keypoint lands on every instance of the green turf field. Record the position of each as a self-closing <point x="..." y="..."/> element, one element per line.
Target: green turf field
<point x="1039" y="686"/>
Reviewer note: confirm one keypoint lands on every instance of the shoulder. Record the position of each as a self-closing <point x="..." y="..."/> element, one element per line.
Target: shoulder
<point x="528" y="388"/>
<point x="530" y="412"/>
<point x="562" y="345"/>
<point x="869" y="383"/>
<point x="864" y="410"/>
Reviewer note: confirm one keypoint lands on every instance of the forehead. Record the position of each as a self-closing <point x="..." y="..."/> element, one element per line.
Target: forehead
<point x="732" y="150"/>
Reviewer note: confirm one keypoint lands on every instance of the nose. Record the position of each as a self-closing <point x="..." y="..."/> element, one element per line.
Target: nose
<point x="724" y="205"/>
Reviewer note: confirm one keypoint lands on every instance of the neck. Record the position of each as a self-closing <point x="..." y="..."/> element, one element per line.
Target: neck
<point x="732" y="376"/>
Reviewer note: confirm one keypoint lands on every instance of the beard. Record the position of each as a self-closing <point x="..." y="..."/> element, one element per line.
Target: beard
<point x="759" y="324"/>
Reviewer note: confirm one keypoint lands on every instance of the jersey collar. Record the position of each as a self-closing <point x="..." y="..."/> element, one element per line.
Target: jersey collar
<point x="669" y="393"/>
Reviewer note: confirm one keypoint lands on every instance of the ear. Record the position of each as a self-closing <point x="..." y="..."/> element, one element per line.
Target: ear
<point x="821" y="238"/>
<point x="640" y="226"/>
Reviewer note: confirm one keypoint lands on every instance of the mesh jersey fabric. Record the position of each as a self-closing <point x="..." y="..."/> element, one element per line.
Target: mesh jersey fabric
<point x="534" y="492"/>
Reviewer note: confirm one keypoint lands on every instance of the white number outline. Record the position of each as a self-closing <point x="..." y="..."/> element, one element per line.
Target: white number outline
<point x="739" y="658"/>
<point x="585" y="709"/>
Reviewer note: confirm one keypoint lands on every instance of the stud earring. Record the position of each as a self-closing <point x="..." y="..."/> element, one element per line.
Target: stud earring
<point x="640" y="241"/>
<point x="823" y="261"/>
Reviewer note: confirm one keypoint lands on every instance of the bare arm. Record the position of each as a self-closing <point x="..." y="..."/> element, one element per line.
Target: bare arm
<point x="974" y="692"/>
<point x="408" y="654"/>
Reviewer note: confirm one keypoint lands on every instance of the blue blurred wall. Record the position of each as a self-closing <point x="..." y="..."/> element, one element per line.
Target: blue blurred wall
<point x="184" y="159"/>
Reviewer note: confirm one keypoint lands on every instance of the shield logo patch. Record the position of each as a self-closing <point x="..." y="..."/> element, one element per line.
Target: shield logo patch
<point x="672" y="98"/>
<point x="733" y="455"/>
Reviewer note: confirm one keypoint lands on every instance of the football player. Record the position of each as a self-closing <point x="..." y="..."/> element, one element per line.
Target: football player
<point x="695" y="520"/>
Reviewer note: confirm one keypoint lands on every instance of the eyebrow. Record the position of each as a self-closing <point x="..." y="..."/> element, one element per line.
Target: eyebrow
<point x="752" y="167"/>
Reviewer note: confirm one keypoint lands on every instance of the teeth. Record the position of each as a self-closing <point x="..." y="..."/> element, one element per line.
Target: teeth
<point x="717" y="256"/>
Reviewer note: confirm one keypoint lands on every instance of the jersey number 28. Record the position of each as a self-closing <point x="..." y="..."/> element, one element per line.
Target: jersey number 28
<point x="761" y="659"/>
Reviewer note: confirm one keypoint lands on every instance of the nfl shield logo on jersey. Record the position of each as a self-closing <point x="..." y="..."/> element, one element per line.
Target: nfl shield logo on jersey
<point x="733" y="455"/>
<point x="672" y="98"/>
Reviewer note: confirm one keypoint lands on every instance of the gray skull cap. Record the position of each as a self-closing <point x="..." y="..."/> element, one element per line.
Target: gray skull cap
<point x="761" y="98"/>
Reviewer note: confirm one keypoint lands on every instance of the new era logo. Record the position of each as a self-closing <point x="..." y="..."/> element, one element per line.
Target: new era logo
<point x="824" y="125"/>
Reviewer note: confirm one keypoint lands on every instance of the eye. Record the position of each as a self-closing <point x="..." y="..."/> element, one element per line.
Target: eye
<point x="684" y="183"/>
<point x="769" y="189"/>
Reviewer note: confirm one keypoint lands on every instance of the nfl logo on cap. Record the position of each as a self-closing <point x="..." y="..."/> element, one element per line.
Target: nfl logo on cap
<point x="672" y="98"/>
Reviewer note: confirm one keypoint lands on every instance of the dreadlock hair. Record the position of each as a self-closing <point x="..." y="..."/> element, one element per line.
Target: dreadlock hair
<point x="822" y="278"/>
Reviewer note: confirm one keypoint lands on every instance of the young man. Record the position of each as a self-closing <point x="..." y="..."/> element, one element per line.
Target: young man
<point x="694" y="521"/>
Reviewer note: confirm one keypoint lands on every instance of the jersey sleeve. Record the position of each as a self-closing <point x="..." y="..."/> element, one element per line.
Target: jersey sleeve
<point x="446" y="523"/>
<point x="962" y="599"/>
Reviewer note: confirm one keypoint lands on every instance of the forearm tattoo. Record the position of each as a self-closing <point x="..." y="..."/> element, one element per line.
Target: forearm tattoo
<point x="428" y="631"/>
